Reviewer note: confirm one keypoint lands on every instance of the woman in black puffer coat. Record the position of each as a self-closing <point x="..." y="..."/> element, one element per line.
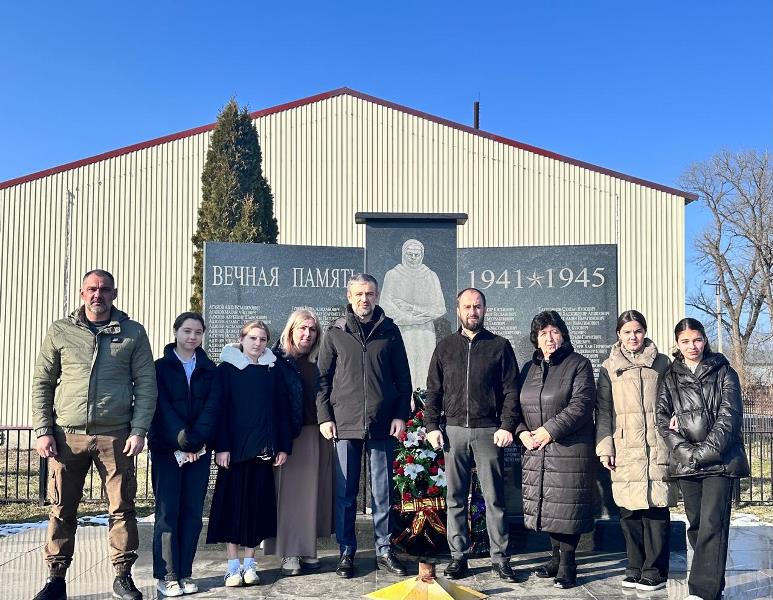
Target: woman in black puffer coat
<point x="700" y="416"/>
<point x="558" y="398"/>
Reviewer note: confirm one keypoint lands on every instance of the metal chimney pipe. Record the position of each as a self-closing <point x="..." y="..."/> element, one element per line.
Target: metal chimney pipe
<point x="476" y="114"/>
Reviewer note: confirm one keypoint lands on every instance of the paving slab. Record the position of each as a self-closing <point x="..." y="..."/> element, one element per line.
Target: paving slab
<point x="22" y="571"/>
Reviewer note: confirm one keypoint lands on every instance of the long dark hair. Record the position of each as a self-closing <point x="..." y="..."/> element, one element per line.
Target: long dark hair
<point x="631" y="315"/>
<point x="693" y="325"/>
<point x="545" y="318"/>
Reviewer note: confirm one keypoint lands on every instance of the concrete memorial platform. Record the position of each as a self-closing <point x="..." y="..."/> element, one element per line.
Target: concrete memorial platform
<point x="23" y="571"/>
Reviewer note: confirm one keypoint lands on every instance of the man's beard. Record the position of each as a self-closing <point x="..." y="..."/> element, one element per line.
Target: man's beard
<point x="474" y="326"/>
<point x="98" y="309"/>
<point x="362" y="312"/>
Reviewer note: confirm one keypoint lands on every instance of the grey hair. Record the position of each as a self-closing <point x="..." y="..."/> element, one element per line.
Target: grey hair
<point x="360" y="278"/>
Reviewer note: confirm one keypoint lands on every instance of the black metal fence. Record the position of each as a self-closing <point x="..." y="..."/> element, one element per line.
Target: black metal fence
<point x="24" y="475"/>
<point x="758" y="441"/>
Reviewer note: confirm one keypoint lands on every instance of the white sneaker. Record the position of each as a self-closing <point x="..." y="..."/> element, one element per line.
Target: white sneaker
<point x="233" y="579"/>
<point x="291" y="565"/>
<point x="188" y="585"/>
<point x="251" y="576"/>
<point x="169" y="588"/>
<point x="310" y="563"/>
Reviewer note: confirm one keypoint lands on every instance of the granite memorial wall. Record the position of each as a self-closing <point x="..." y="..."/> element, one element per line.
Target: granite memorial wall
<point x="419" y="268"/>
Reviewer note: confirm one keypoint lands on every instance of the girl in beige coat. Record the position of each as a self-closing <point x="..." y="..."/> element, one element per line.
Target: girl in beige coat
<point x="629" y="446"/>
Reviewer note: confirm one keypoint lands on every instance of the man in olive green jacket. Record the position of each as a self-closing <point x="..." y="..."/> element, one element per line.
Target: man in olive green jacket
<point x="93" y="399"/>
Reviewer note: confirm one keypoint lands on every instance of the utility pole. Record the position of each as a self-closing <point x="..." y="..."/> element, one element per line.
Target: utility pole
<point x="67" y="251"/>
<point x="718" y="313"/>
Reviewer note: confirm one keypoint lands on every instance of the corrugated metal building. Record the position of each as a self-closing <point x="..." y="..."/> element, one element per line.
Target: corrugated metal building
<point x="133" y="211"/>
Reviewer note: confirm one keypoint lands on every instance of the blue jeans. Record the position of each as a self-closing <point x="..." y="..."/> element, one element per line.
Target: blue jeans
<point x="348" y="466"/>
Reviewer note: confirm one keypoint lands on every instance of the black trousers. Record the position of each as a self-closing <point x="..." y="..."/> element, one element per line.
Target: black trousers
<point x="179" y="493"/>
<point x="707" y="504"/>
<point x="647" y="534"/>
<point x="564" y="542"/>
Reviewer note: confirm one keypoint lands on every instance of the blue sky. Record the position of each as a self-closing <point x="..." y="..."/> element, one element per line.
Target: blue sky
<point x="644" y="88"/>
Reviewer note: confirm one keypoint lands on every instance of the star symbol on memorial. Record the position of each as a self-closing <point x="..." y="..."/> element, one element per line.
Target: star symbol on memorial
<point x="535" y="279"/>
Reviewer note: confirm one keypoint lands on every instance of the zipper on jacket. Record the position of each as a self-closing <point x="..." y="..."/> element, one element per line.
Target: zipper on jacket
<point x="94" y="354"/>
<point x="364" y="341"/>
<point x="467" y="391"/>
<point x="646" y="430"/>
<point x="541" y="496"/>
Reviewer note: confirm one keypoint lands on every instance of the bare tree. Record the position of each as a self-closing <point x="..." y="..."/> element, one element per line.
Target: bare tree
<point x="736" y="248"/>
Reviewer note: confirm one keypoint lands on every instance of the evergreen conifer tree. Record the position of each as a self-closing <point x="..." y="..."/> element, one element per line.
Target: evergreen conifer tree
<point x="237" y="204"/>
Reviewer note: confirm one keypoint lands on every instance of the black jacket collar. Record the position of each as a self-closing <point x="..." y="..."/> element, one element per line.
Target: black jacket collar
<point x="483" y="334"/>
<point x="555" y="359"/>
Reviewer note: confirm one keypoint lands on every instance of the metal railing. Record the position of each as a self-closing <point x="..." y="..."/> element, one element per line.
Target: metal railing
<point x="24" y="475"/>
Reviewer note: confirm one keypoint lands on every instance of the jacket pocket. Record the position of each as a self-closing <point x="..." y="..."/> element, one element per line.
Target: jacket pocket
<point x="618" y="437"/>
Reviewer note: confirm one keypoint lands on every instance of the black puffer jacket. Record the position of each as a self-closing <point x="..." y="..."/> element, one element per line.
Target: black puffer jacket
<point x="708" y="407"/>
<point x="473" y="381"/>
<point x="364" y="384"/>
<point x="186" y="416"/>
<point x="559" y="395"/>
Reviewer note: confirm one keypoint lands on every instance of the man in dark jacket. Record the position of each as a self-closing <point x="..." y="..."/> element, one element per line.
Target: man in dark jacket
<point x="473" y="379"/>
<point x="93" y="398"/>
<point x="363" y="402"/>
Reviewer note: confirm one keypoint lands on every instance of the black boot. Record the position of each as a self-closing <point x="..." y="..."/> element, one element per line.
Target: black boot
<point x="55" y="589"/>
<point x="124" y="588"/>
<point x="550" y="568"/>
<point x="566" y="577"/>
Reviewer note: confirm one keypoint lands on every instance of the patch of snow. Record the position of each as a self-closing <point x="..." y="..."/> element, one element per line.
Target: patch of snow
<point x="89" y="521"/>
<point x="741" y="519"/>
<point x="14" y="528"/>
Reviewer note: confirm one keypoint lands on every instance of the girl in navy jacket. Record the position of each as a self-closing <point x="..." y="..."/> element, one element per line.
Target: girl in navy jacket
<point x="253" y="437"/>
<point x="180" y="441"/>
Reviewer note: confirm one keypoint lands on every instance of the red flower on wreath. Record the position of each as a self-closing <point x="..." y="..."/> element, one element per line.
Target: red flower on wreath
<point x="441" y="461"/>
<point x="433" y="470"/>
<point x="403" y="436"/>
<point x="407" y="496"/>
<point x="433" y="490"/>
<point x="400" y="471"/>
<point x="410" y="423"/>
<point x="395" y="464"/>
<point x="409" y="459"/>
<point x="420" y="414"/>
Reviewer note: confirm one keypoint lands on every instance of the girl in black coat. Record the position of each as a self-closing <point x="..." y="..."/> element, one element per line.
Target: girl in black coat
<point x="557" y="402"/>
<point x="253" y="435"/>
<point x="700" y="415"/>
<point x="180" y="439"/>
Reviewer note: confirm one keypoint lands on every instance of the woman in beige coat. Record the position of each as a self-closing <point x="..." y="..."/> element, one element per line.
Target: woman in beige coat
<point x="629" y="446"/>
